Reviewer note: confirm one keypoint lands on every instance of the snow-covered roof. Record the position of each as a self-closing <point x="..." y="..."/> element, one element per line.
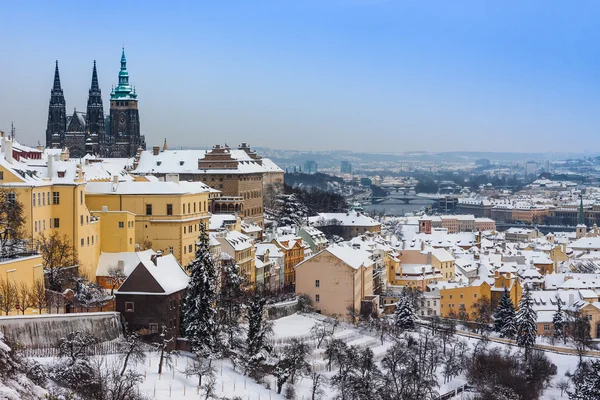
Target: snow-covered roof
<point x="442" y="255"/>
<point x="186" y="162"/>
<point x="157" y="188"/>
<point x="274" y="251"/>
<point x="351" y="218"/>
<point x="167" y="273"/>
<point x="353" y="257"/>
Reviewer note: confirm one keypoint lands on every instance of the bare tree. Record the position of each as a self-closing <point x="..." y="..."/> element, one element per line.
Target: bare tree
<point x="11" y="223"/>
<point x="318" y="380"/>
<point x="75" y="345"/>
<point x="563" y="385"/>
<point x="8" y="295"/>
<point x="320" y="331"/>
<point x="116" y="276"/>
<point x="24" y="297"/>
<point x="38" y="295"/>
<point x="133" y="348"/>
<point x="165" y="349"/>
<point x="58" y="257"/>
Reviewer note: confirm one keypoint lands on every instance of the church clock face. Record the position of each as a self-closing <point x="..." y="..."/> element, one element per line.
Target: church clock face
<point x="122" y="119"/>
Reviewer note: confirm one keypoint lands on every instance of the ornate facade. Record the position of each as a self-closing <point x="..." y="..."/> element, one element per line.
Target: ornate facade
<point x="91" y="132"/>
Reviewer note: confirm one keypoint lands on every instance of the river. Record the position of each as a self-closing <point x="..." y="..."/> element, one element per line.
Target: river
<point x="395" y="207"/>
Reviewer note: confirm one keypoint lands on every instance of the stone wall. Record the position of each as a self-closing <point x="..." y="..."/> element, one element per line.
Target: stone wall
<point x="39" y="331"/>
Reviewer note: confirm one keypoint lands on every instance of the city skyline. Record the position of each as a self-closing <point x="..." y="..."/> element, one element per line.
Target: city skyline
<point x="351" y="75"/>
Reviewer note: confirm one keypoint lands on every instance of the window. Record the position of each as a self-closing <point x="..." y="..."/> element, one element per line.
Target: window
<point x="220" y="186"/>
<point x="130" y="240"/>
<point x="317" y="298"/>
<point x="475" y="295"/>
<point x="169" y="209"/>
<point x="44" y="224"/>
<point x="92" y="239"/>
<point x="81" y="197"/>
<point x="33" y="197"/>
<point x="39" y="199"/>
<point x="428" y="303"/>
<point x="435" y="303"/>
<point x="81" y="219"/>
<point x="82" y="242"/>
<point x="184" y="250"/>
<point x="88" y="240"/>
<point x="184" y="229"/>
<point x="171" y="249"/>
<point x="36" y="226"/>
<point x="450" y="296"/>
<point x="546" y="327"/>
<point x="194" y="207"/>
<point x="153" y="328"/>
<point x="190" y="248"/>
<point x="317" y="283"/>
<point x="55" y="198"/>
<point x="148" y="209"/>
<point x="121" y="224"/>
<point x="1" y="175"/>
<point x="461" y="296"/>
<point x="44" y="199"/>
<point x="129" y="306"/>
<point x="87" y="219"/>
<point x="56" y="222"/>
<point x="50" y="223"/>
<point x="189" y="208"/>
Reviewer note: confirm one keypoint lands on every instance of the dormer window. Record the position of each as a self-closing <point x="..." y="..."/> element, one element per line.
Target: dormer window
<point x="158" y="162"/>
<point x="181" y="162"/>
<point x="61" y="174"/>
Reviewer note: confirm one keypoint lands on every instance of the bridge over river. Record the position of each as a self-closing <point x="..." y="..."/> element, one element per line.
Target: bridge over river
<point x="403" y="198"/>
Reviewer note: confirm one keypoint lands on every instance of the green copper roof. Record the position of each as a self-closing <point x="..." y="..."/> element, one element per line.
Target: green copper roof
<point x="123" y="91"/>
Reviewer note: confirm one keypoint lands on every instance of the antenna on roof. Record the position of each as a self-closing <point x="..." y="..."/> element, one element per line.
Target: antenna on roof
<point x="12" y="130"/>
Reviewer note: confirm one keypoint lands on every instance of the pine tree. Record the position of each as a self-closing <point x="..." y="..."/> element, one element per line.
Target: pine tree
<point x="586" y="381"/>
<point x="259" y="331"/>
<point x="230" y="303"/>
<point x="504" y="316"/>
<point x="290" y="210"/>
<point x="404" y="316"/>
<point x="526" y="322"/>
<point x="558" y="322"/>
<point x="199" y="313"/>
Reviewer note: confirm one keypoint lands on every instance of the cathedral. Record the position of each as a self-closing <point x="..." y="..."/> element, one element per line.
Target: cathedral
<point x="115" y="135"/>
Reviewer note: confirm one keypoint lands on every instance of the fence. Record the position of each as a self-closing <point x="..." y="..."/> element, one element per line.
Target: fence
<point x="100" y="349"/>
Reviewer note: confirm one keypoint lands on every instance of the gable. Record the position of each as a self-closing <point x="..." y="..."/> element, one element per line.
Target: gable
<point x="140" y="280"/>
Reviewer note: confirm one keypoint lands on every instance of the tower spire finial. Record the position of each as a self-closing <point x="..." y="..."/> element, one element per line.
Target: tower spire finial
<point x="56" y="78"/>
<point x="95" y="85"/>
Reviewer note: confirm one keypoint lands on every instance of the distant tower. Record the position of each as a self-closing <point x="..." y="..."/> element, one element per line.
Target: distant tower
<point x="581" y="229"/>
<point x="57" y="114"/>
<point x="94" y="116"/>
<point x="124" y="117"/>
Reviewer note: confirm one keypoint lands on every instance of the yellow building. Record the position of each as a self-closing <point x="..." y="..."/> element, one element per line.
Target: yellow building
<point x="167" y="214"/>
<point x="53" y="197"/>
<point x="453" y="300"/>
<point x="241" y="248"/>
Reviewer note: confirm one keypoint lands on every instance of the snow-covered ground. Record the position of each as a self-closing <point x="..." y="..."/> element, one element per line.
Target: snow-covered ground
<point x="173" y="384"/>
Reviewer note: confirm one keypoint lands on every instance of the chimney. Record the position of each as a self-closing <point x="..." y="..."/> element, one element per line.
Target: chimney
<point x="115" y="179"/>
<point x="7" y="147"/>
<point x="155" y="150"/>
<point x="172" y="178"/>
<point x="50" y="166"/>
<point x="121" y="266"/>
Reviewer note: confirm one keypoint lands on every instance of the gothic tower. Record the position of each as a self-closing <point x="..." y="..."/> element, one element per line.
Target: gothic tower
<point x="57" y="114"/>
<point x="95" y="115"/>
<point x="124" y="117"/>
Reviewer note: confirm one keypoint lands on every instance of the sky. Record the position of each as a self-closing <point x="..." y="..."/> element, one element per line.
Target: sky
<point x="359" y="75"/>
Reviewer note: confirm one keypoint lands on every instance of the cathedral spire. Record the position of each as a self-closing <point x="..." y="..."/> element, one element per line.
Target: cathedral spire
<point x="56" y="78"/>
<point x="95" y="85"/>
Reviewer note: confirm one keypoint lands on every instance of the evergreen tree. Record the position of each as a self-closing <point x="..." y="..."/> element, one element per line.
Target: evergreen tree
<point x="259" y="331"/>
<point x="290" y="211"/>
<point x="526" y="322"/>
<point x="199" y="313"/>
<point x="230" y="303"/>
<point x="558" y="322"/>
<point x="586" y="381"/>
<point x="504" y="316"/>
<point x="404" y="316"/>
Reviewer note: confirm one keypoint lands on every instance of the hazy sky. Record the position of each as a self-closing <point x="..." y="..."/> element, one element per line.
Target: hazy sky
<point x="318" y="75"/>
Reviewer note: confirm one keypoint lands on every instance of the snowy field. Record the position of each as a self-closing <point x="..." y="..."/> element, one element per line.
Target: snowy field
<point x="173" y="384"/>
